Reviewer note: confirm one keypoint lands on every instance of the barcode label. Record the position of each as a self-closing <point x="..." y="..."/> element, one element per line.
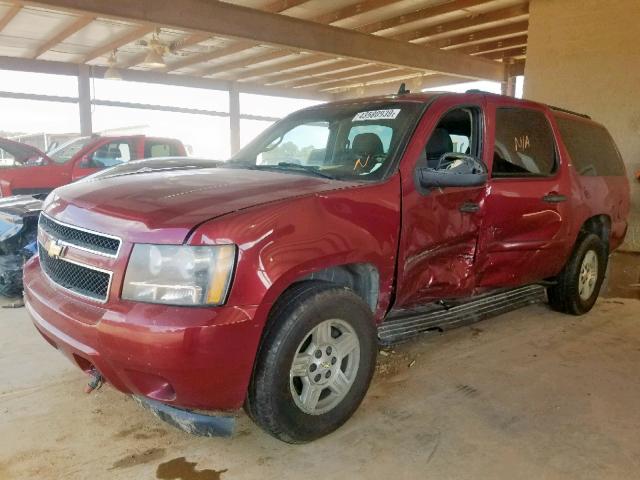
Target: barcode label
<point x="388" y="114"/>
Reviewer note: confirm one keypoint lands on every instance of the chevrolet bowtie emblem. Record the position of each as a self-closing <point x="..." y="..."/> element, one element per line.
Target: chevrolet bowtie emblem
<point x="54" y="249"/>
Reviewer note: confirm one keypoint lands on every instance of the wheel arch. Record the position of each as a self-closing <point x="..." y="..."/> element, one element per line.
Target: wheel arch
<point x="363" y="278"/>
<point x="599" y="225"/>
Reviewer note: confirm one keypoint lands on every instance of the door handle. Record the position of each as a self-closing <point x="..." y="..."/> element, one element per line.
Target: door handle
<point x="554" y="198"/>
<point x="469" y="207"/>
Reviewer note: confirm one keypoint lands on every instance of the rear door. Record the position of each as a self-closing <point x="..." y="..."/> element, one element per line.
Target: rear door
<point x="526" y="226"/>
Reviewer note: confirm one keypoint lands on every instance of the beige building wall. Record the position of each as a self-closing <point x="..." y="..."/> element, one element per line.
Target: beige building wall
<point x="584" y="55"/>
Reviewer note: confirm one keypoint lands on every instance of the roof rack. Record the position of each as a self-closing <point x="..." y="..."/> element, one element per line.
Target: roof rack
<point x="476" y="90"/>
<point x="564" y="110"/>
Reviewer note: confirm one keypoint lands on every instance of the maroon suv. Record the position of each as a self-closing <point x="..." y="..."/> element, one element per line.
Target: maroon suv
<point x="270" y="281"/>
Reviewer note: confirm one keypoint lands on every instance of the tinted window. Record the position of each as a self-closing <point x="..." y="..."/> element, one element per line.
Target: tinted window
<point x="153" y="149"/>
<point x="524" y="144"/>
<point x="111" y="154"/>
<point x="590" y="146"/>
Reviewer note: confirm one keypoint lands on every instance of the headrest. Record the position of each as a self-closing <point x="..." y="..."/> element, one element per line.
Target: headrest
<point x="367" y="143"/>
<point x="439" y="143"/>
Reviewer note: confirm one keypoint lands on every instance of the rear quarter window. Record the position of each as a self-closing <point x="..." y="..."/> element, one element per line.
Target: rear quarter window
<point x="592" y="150"/>
<point x="155" y="148"/>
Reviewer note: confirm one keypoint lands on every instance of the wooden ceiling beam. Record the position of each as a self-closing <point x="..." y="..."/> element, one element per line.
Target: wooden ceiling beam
<point x="296" y="64"/>
<point x="281" y="76"/>
<point x="340" y="66"/>
<point x="280" y="6"/>
<point x="494" y="46"/>
<point x="506" y="54"/>
<point x="352" y="10"/>
<point x="245" y="63"/>
<point x="78" y="24"/>
<point x="397" y="75"/>
<point x="421" y="14"/>
<point x="137" y="33"/>
<point x="10" y="15"/>
<point x="198" y="58"/>
<point x="357" y="73"/>
<point x="478" y="36"/>
<point x="221" y="18"/>
<point x="475" y="21"/>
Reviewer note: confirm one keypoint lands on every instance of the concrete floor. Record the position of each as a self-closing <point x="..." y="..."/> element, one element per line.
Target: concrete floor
<point x="531" y="394"/>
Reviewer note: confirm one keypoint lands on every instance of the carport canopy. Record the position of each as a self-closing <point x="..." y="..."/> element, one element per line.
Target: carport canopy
<point x="294" y="48"/>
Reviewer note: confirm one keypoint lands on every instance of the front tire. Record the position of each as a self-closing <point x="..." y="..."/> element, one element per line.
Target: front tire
<point x="578" y="285"/>
<point x="315" y="362"/>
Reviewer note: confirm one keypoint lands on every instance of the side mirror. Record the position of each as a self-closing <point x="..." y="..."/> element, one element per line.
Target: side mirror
<point x="454" y="170"/>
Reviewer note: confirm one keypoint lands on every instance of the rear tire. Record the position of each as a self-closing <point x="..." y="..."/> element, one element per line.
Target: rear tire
<point x="315" y="362"/>
<point x="578" y="285"/>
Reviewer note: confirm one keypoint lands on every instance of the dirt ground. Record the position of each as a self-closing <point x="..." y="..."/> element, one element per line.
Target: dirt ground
<point x="532" y="394"/>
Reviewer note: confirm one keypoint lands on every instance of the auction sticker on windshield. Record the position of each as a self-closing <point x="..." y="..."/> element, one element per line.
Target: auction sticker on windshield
<point x="388" y="114"/>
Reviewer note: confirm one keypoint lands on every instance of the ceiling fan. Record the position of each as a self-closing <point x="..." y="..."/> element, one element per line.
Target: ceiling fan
<point x="158" y="49"/>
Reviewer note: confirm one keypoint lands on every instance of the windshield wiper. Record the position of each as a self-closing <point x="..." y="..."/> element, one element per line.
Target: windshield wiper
<point x="293" y="167"/>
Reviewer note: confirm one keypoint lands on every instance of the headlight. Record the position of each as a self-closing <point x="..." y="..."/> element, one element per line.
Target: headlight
<point x="179" y="274"/>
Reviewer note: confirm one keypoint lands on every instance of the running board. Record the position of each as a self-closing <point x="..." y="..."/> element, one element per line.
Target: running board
<point x="401" y="325"/>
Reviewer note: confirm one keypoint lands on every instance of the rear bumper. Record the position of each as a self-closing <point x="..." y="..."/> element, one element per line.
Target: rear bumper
<point x="186" y="357"/>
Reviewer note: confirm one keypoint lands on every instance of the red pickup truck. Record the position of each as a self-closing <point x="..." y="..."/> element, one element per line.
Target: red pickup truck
<point x="269" y="282"/>
<point x="25" y="170"/>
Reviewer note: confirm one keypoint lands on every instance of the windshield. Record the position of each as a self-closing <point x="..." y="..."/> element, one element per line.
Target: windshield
<point x="354" y="142"/>
<point x="68" y="150"/>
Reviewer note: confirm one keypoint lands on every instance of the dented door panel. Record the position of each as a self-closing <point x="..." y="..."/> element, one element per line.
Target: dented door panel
<point x="438" y="241"/>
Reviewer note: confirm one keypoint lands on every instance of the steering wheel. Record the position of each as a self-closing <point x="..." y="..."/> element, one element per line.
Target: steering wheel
<point x="452" y="160"/>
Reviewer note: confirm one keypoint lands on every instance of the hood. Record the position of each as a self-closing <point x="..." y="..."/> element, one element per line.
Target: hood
<point x="155" y="164"/>
<point x="164" y="206"/>
<point x="22" y="152"/>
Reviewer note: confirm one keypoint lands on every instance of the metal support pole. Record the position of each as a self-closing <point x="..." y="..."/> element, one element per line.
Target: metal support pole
<point x="234" y="118"/>
<point x="511" y="87"/>
<point x="84" y="100"/>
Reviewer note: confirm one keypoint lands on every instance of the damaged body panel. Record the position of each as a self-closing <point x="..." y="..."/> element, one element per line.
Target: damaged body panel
<point x="18" y="232"/>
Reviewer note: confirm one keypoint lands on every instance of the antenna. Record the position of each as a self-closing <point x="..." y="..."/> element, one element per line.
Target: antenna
<point x="403" y="89"/>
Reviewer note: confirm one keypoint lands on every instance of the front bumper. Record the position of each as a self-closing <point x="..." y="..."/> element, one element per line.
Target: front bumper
<point x="198" y="358"/>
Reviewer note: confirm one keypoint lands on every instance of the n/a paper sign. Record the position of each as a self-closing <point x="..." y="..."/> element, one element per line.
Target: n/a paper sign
<point x="388" y="114"/>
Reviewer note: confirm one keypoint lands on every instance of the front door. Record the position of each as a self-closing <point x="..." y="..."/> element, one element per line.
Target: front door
<point x="104" y="155"/>
<point x="525" y="226"/>
<point x="440" y="227"/>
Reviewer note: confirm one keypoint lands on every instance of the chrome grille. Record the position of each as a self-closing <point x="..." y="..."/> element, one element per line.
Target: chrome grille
<point x="83" y="239"/>
<point x="79" y="279"/>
